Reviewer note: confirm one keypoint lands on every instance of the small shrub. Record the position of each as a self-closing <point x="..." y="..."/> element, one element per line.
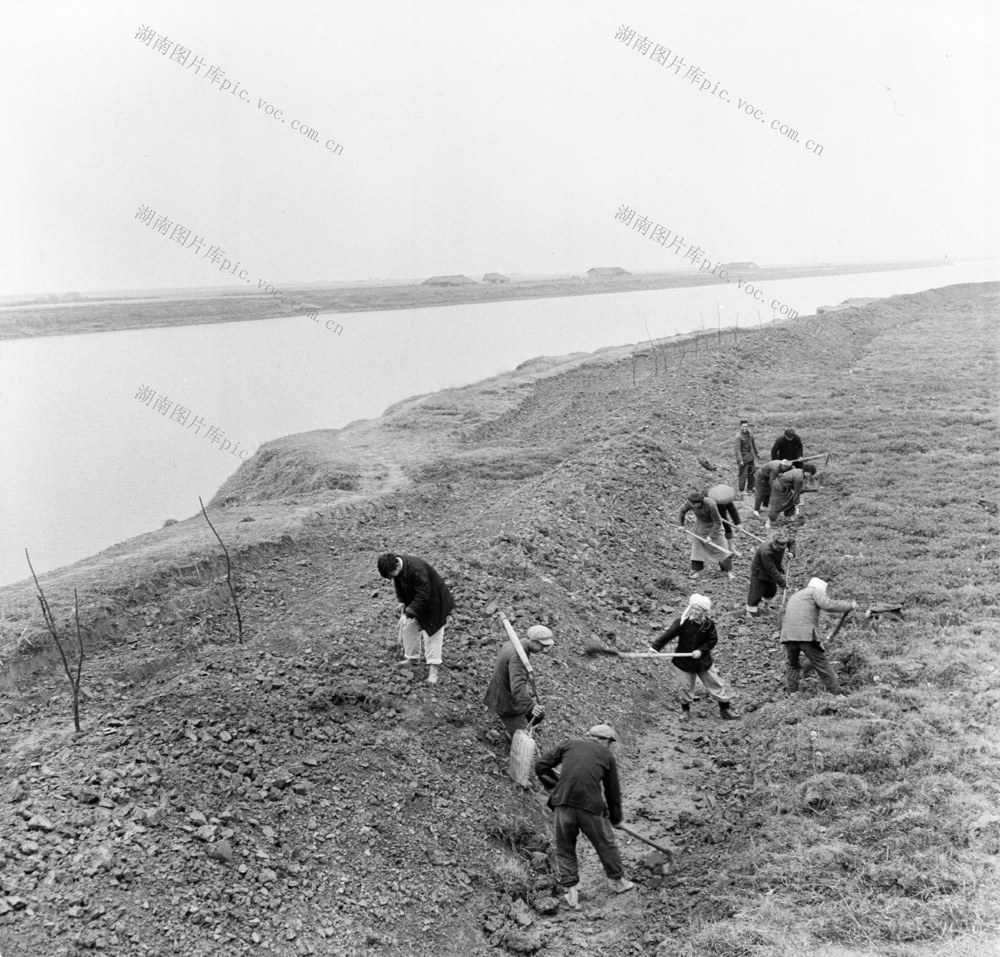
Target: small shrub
<point x="510" y="875"/>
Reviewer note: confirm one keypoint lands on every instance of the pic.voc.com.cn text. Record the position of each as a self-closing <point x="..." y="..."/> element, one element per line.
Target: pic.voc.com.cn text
<point x="661" y="234"/>
<point x="660" y="54"/>
<point x="185" y="238"/>
<point x="216" y="77"/>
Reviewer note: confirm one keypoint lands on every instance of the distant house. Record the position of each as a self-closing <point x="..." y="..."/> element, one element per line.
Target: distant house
<point x="449" y="281"/>
<point x="495" y="278"/>
<point x="607" y="272"/>
<point x="740" y="267"/>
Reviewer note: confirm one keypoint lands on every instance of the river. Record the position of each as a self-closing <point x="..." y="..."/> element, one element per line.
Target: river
<point x="86" y="464"/>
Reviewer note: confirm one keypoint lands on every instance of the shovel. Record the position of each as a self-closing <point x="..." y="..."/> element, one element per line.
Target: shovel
<point x="892" y="608"/>
<point x="646" y="840"/>
<point x="593" y="648"/>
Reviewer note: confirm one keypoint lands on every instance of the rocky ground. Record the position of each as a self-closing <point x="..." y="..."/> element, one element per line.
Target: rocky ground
<point x="298" y="794"/>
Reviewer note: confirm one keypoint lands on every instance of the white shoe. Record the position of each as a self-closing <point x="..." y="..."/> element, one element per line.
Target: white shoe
<point x="432" y="674"/>
<point x="572" y="897"/>
<point x="621" y="885"/>
<point x="731" y="575"/>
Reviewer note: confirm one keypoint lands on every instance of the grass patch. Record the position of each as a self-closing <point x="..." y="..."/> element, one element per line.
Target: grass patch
<point x="871" y="826"/>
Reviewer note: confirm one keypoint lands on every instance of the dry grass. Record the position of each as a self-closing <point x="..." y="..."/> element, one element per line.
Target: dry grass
<point x="884" y="841"/>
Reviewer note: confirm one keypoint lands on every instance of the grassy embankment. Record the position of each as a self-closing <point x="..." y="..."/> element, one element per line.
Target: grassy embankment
<point x="876" y="821"/>
<point x="835" y="827"/>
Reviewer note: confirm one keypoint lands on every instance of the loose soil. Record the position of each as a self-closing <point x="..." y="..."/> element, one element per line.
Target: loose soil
<point x="299" y="794"/>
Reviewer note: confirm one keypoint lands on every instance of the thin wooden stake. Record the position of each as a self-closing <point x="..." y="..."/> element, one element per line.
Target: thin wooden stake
<point x="50" y="623"/>
<point x="229" y="570"/>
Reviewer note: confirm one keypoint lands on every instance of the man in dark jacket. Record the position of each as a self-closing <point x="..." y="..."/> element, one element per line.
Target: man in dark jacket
<point x="746" y="456"/>
<point x="696" y="635"/>
<point x="800" y="634"/>
<point x="584" y="796"/>
<point x="766" y="572"/>
<point x="426" y="605"/>
<point x="510" y="692"/>
<point x="787" y="446"/>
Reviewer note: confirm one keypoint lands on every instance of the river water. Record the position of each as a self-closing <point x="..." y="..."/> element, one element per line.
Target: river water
<point x="84" y="463"/>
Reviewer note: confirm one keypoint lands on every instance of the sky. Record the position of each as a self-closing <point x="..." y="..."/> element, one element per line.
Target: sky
<point x="461" y="136"/>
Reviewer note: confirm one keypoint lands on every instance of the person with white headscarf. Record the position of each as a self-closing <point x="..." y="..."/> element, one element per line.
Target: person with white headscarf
<point x="800" y="635"/>
<point x="696" y="635"/>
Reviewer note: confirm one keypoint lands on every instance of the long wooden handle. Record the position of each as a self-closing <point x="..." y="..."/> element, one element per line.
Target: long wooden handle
<point x="655" y="654"/>
<point x="645" y="840"/>
<point x="705" y="541"/>
<point x="519" y="648"/>
<point x="784" y="594"/>
<point x="740" y="528"/>
<point x="840" y="624"/>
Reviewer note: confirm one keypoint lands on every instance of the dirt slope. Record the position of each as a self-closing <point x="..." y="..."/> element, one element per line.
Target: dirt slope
<point x="297" y="795"/>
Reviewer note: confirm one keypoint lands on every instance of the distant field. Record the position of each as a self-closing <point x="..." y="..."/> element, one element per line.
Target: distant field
<point x="43" y="318"/>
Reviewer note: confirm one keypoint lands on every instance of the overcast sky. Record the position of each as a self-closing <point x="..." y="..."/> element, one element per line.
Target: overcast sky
<point x="480" y="136"/>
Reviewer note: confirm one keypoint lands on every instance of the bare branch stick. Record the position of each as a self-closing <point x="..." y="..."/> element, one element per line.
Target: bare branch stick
<point x="229" y="570"/>
<point x="50" y="623"/>
<point x="79" y="663"/>
<point x="656" y="352"/>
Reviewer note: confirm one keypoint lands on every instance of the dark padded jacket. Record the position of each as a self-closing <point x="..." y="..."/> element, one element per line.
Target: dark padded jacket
<point x="766" y="564"/>
<point x="786" y="448"/>
<point x="423" y="591"/>
<point x="691" y="636"/>
<point x="509" y="692"/>
<point x="589" y="777"/>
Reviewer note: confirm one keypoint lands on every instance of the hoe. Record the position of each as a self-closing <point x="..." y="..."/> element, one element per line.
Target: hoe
<point x="592" y="648"/>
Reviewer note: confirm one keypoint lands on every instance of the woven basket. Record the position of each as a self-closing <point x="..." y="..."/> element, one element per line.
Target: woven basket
<point x="522" y="757"/>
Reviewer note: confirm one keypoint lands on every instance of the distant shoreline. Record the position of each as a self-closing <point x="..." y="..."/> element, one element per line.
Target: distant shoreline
<point x="82" y="315"/>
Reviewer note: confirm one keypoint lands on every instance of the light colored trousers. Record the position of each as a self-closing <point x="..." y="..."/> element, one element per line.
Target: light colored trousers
<point x="410" y="635"/>
<point x="714" y="685"/>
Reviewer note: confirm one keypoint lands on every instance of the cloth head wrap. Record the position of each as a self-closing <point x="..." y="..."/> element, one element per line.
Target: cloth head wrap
<point x="817" y="583"/>
<point x="696" y="601"/>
